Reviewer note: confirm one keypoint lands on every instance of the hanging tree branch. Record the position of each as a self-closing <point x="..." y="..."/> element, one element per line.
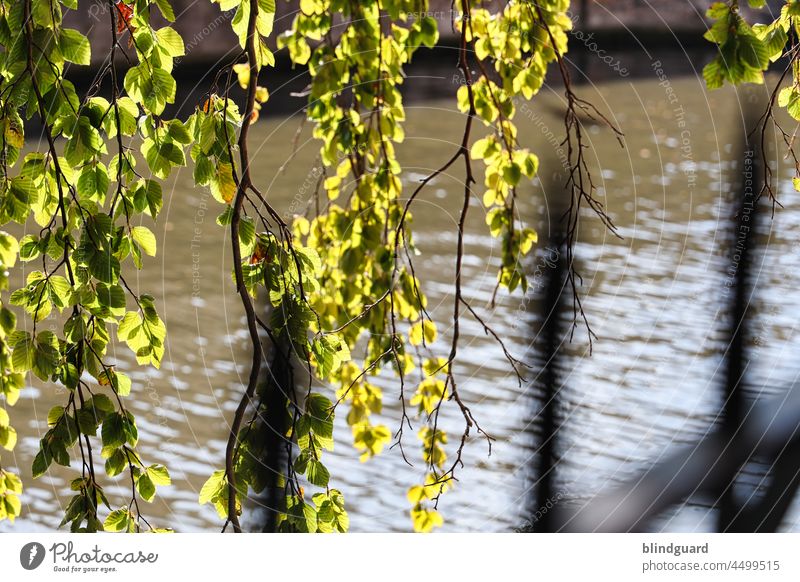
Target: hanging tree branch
<point x="245" y="182"/>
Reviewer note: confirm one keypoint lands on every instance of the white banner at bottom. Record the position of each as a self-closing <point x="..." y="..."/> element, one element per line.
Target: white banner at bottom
<point x="617" y="557"/>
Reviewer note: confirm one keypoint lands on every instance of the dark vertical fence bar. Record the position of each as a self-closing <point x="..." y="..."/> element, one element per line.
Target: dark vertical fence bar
<point x="766" y="428"/>
<point x="551" y="337"/>
<point x="734" y="411"/>
<point x="766" y="513"/>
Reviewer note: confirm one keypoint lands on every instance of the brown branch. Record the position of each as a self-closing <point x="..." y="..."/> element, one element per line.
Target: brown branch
<point x="247" y="303"/>
<point x="579" y="180"/>
<point x="764" y="121"/>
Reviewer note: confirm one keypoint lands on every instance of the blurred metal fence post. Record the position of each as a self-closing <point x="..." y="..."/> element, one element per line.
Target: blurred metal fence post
<point x="766" y="513"/>
<point x="742" y="243"/>
<point x="552" y="337"/>
<point x="765" y="428"/>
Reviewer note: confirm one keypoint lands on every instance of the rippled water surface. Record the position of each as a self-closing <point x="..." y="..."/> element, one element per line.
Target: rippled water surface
<point x="652" y="297"/>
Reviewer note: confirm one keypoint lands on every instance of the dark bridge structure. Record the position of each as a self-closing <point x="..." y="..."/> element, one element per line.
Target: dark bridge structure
<point x="748" y="428"/>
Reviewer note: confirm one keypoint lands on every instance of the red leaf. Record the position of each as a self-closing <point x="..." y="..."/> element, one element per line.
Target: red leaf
<point x="124" y="13"/>
<point x="259" y="254"/>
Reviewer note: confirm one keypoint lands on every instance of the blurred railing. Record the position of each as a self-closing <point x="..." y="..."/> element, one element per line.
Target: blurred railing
<point x="749" y="428"/>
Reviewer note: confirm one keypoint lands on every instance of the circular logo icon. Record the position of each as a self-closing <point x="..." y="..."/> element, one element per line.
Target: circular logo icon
<point x="31" y="555"/>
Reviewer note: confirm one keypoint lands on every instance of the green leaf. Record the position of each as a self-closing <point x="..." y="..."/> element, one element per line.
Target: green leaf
<point x="113" y="433"/>
<point x="60" y="291"/>
<point x="203" y="170"/>
<point x="512" y="174"/>
<point x="247" y="234"/>
<point x="8" y="438"/>
<point x="104" y="266"/>
<point x="74" y="46"/>
<point x="163" y="86"/>
<point x="112" y="296"/>
<point x="145" y="238"/>
<point x="8" y="321"/>
<point x="329" y="352"/>
<point x="9" y="248"/>
<point x="208" y="133"/>
<point x="311" y="259"/>
<point x="24" y="352"/>
<point x="789" y="97"/>
<point x="13" y="506"/>
<point x="128" y="114"/>
<point x="212" y="487"/>
<point x="116" y="463"/>
<point x="159" y="474"/>
<point x="318" y="406"/>
<point x="45" y="14"/>
<point x="29" y="248"/>
<point x="102" y="403"/>
<point x="93" y="183"/>
<point x="14" y="131"/>
<point x="128" y="325"/>
<point x="129" y="427"/>
<point x="713" y="74"/>
<point x="154" y="196"/>
<point x="310" y="515"/>
<point x="170" y="41"/>
<point x="146" y="488"/>
<point x="47" y="355"/>
<point x="55" y="415"/>
<point x="223" y="187"/>
<point x="178" y="132"/>
<point x="774" y="38"/>
<point x="153" y="89"/>
<point x="121" y="384"/>
<point x="424" y="330"/>
<point x="317" y="473"/>
<point x="84" y="144"/>
<point x="162" y="157"/>
<point x="87" y="421"/>
<point x="40" y="464"/>
<point x="224" y="219"/>
<point x="429" y="31"/>
<point x="166" y="9"/>
<point x="13" y="483"/>
<point x="753" y="52"/>
<point x="118" y="520"/>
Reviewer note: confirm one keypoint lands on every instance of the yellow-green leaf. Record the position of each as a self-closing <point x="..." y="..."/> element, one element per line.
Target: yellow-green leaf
<point x="145" y="238"/>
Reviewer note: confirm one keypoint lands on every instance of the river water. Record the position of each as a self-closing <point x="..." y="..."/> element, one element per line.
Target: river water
<point x="652" y="296"/>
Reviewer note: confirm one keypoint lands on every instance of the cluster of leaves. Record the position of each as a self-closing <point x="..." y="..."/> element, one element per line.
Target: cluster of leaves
<point x="11" y="383"/>
<point x="286" y="274"/>
<point x="89" y="205"/>
<point x="340" y="280"/>
<point x="518" y="43"/>
<point x="357" y="108"/>
<point x="368" y="290"/>
<point x="746" y="52"/>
